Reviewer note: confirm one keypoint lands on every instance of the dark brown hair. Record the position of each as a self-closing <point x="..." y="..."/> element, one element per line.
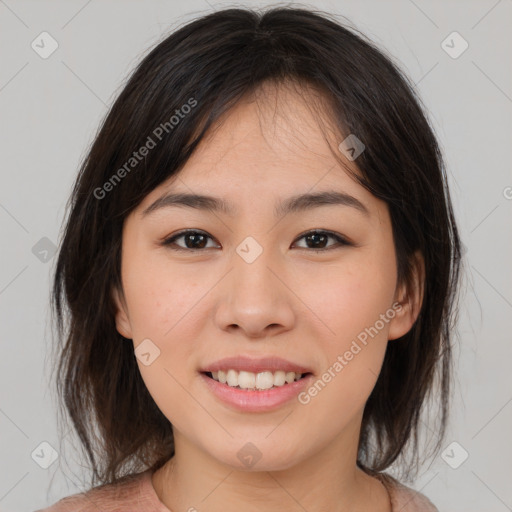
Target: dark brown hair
<point x="210" y="64"/>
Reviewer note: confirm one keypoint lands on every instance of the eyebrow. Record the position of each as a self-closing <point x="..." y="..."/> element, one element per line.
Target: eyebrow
<point x="297" y="203"/>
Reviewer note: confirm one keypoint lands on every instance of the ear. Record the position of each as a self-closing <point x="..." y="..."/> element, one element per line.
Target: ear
<point x="123" y="325"/>
<point x="409" y="300"/>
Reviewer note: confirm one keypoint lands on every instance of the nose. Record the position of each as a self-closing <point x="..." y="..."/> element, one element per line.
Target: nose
<point x="255" y="298"/>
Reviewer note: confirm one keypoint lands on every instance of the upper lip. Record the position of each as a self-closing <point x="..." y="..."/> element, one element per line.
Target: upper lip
<point x="255" y="365"/>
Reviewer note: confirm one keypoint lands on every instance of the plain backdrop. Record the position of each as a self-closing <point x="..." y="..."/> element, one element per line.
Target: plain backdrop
<point x="51" y="107"/>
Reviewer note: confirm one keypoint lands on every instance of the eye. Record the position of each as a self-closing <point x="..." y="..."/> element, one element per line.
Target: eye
<point x="196" y="240"/>
<point x="318" y="238"/>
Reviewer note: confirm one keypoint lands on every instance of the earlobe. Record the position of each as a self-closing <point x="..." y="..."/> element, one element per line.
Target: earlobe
<point x="409" y="300"/>
<point x="123" y="325"/>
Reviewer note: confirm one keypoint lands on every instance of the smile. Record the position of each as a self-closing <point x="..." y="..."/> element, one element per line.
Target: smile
<point x="253" y="399"/>
<point x="255" y="381"/>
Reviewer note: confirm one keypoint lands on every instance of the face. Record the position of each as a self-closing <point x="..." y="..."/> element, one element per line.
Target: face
<point x="246" y="282"/>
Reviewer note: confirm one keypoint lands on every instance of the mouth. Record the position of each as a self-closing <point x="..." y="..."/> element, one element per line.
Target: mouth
<point x="255" y="385"/>
<point x="260" y="392"/>
<point x="252" y="381"/>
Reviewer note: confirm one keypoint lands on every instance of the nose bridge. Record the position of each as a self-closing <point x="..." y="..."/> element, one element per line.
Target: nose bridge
<point x="253" y="297"/>
<point x="251" y="262"/>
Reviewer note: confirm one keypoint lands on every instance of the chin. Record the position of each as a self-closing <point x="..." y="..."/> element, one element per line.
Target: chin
<point x="257" y="456"/>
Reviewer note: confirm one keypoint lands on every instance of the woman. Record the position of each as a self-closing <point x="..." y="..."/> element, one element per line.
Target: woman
<point x="259" y="265"/>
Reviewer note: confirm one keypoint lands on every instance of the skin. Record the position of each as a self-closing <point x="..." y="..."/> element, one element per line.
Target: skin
<point x="197" y="307"/>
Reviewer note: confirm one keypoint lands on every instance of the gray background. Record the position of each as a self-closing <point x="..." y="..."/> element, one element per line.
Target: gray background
<point x="50" y="110"/>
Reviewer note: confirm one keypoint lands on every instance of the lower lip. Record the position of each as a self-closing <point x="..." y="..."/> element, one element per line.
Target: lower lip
<point x="256" y="401"/>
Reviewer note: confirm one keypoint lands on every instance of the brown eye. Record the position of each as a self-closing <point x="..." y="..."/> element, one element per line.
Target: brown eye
<point x="317" y="240"/>
<point x="194" y="240"/>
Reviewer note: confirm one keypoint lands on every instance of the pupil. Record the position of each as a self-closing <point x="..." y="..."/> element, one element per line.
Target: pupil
<point x="195" y="238"/>
<point x="318" y="239"/>
<point x="310" y="237"/>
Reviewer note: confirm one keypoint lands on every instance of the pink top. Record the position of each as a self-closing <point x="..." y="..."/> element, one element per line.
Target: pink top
<point x="137" y="494"/>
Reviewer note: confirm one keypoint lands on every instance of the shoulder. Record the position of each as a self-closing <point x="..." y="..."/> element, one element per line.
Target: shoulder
<point x="403" y="498"/>
<point x="134" y="492"/>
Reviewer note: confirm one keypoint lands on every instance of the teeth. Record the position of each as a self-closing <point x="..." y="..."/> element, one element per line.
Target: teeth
<point x="250" y="380"/>
<point x="279" y="378"/>
<point x="232" y="378"/>
<point x="264" y="380"/>
<point x="289" y="377"/>
<point x="247" y="380"/>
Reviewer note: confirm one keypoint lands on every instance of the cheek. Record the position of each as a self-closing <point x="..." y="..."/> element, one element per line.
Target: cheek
<point x="159" y="295"/>
<point x="350" y="295"/>
<point x="160" y="302"/>
<point x="353" y="304"/>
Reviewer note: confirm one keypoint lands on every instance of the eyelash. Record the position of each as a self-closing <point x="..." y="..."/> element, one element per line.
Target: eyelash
<point x="169" y="242"/>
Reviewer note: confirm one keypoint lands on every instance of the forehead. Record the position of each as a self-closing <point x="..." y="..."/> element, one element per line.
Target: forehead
<point x="273" y="144"/>
<point x="275" y="125"/>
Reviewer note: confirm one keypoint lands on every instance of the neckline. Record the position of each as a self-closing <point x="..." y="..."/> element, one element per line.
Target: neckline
<point x="149" y="490"/>
<point x="388" y="484"/>
<point x="386" y="480"/>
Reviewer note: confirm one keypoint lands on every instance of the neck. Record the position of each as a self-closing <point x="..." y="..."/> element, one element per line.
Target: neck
<point x="329" y="479"/>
